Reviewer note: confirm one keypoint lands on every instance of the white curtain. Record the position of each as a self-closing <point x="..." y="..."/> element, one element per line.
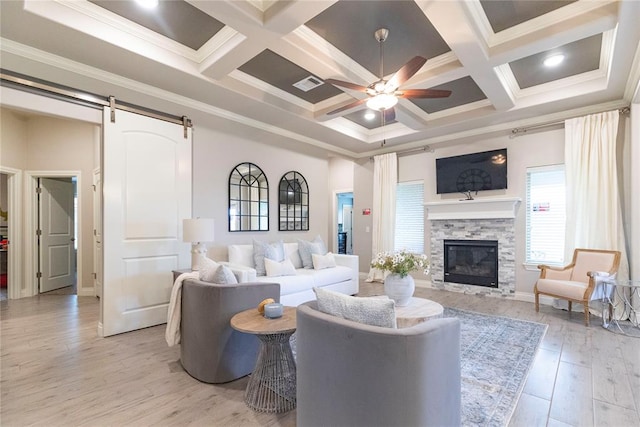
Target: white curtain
<point x="594" y="213"/>
<point x="383" y="212"/>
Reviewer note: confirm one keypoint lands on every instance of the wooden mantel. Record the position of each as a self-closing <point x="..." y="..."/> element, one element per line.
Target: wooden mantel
<point x="489" y="208"/>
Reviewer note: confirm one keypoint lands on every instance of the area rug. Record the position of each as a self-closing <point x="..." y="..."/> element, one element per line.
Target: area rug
<point x="496" y="355"/>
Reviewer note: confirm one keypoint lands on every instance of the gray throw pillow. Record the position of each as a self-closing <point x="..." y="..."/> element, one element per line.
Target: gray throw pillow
<point x="306" y="249"/>
<point x="208" y="268"/>
<point x="262" y="250"/>
<point x="370" y="311"/>
<point x="224" y="276"/>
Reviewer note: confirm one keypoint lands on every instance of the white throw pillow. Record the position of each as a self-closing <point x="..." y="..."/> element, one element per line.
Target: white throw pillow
<point x="208" y="269"/>
<point x="370" y="311"/>
<point x="224" y="276"/>
<point x="306" y="249"/>
<point x="323" y="261"/>
<point x="282" y="268"/>
<point x="262" y="250"/>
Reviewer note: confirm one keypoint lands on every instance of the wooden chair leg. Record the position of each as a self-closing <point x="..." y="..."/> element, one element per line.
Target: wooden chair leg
<point x="586" y="313"/>
<point x="537" y="302"/>
<point x="570" y="303"/>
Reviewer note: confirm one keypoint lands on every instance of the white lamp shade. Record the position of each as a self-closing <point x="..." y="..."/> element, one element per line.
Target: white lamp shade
<point x="197" y="230"/>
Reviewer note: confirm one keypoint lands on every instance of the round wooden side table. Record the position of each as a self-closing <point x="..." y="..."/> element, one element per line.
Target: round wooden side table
<point x="272" y="385"/>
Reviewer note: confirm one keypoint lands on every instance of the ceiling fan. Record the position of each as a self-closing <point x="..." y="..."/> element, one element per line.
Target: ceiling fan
<point x="384" y="94"/>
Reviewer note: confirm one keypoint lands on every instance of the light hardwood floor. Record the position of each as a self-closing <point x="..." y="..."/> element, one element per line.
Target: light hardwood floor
<point x="55" y="371"/>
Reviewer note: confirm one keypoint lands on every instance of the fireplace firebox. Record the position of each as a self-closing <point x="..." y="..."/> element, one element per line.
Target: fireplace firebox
<point x="471" y="262"/>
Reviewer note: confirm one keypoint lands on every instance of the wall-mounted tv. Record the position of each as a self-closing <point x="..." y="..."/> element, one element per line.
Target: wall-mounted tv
<point x="472" y="172"/>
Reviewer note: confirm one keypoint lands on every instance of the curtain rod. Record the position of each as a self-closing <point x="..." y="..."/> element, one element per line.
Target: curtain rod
<point x="520" y="131"/>
<point x="50" y="90"/>
<point x="409" y="151"/>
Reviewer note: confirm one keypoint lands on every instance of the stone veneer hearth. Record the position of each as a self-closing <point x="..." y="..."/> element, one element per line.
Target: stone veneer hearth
<point x="489" y="219"/>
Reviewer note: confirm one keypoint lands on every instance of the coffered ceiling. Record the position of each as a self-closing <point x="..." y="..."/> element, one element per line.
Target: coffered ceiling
<point x="262" y="64"/>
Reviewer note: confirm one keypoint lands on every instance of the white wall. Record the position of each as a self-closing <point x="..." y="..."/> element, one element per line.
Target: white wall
<point x="215" y="154"/>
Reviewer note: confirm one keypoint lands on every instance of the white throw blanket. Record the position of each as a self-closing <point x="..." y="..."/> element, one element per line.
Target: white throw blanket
<point x="172" y="334"/>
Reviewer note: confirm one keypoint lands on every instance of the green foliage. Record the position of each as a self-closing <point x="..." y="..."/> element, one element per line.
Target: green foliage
<point x="402" y="262"/>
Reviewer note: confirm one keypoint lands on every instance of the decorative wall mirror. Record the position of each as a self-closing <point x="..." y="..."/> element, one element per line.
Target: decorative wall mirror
<point x="248" y="199"/>
<point x="293" y="198"/>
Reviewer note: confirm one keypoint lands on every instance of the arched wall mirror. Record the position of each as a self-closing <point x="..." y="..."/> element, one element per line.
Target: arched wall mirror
<point x="248" y="199"/>
<point x="293" y="199"/>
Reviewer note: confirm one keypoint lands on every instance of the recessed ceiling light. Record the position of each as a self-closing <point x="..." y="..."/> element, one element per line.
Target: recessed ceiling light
<point x="147" y="4"/>
<point x="553" y="60"/>
<point x="369" y="115"/>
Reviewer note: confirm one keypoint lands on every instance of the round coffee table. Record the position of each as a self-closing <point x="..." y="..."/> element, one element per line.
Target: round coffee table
<point x="272" y="385"/>
<point x="417" y="311"/>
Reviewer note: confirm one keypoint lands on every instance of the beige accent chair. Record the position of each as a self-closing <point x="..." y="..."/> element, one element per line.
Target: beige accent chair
<point x="576" y="281"/>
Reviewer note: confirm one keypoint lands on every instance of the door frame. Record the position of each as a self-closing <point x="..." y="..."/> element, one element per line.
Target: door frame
<point x="31" y="224"/>
<point x="14" y="227"/>
<point x="334" y="217"/>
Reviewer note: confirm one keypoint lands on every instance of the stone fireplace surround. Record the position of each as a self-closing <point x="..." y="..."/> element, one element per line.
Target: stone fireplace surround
<point x="480" y="219"/>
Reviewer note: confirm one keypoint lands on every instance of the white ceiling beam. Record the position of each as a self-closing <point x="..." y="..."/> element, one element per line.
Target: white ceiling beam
<point x="454" y="25"/>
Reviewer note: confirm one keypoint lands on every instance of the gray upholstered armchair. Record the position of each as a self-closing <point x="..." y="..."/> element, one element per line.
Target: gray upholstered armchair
<point x="210" y="350"/>
<point x="351" y="374"/>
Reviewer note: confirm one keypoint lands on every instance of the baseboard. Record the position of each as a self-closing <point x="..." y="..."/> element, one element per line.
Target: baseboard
<point x="83" y="292"/>
<point x="529" y="297"/>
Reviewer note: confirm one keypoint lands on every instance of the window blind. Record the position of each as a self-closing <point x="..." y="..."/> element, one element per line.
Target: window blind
<point x="546" y="215"/>
<point x="410" y="217"/>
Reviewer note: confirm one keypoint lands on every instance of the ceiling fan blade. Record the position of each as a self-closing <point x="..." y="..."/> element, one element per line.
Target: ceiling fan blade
<point x="348" y="106"/>
<point x="347" y="85"/>
<point x="423" y="93"/>
<point x="406" y="72"/>
<point x="389" y="115"/>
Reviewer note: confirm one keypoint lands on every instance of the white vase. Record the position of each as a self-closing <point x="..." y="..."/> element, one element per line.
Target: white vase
<point x="400" y="289"/>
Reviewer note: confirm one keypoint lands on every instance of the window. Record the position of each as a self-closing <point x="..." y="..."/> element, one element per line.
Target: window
<point x="546" y="204"/>
<point x="410" y="217"/>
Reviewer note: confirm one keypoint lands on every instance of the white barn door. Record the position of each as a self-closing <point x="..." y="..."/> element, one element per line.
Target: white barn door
<point x="146" y="179"/>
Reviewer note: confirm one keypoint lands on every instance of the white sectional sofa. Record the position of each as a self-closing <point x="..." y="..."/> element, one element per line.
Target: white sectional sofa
<point x="297" y="289"/>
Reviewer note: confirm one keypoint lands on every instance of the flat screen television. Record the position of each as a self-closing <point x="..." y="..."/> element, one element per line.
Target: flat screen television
<point x="472" y="172"/>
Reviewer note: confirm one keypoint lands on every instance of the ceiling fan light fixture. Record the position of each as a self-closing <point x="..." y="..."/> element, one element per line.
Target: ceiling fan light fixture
<point x="381" y="102"/>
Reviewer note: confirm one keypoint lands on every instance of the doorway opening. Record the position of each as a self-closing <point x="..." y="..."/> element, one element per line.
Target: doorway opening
<point x="4" y="235"/>
<point x="344" y="222"/>
<point x="54" y="214"/>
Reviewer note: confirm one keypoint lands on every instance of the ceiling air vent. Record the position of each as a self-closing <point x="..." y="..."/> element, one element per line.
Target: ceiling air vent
<point x="308" y="83"/>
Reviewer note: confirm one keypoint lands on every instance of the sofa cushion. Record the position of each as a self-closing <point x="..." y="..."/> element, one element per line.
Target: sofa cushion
<point x="328" y="276"/>
<point x="279" y="268"/>
<point x="224" y="276"/>
<point x="306" y="248"/>
<point x="291" y="252"/>
<point x="241" y="254"/>
<point x="262" y="250"/>
<point x="320" y="262"/>
<point x="370" y="311"/>
<point x="290" y="284"/>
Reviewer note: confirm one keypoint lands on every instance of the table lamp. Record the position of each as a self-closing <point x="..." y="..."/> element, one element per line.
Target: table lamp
<point x="197" y="231"/>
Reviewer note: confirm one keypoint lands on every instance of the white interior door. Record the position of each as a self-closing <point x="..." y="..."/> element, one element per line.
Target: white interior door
<point x="347" y="226"/>
<point x="57" y="247"/>
<point x="146" y="179"/>
<point x="97" y="232"/>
